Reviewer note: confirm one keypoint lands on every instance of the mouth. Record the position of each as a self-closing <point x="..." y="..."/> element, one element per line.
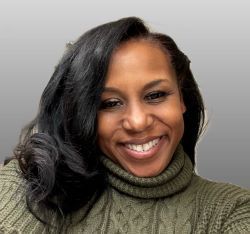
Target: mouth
<point x="144" y="149"/>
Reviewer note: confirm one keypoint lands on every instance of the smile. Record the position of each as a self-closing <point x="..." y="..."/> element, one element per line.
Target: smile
<point x="143" y="147"/>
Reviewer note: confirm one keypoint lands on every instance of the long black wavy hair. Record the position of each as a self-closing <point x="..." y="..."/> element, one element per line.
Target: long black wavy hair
<point x="58" y="153"/>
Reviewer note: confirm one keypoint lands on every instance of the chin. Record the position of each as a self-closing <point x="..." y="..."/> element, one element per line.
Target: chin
<point x="148" y="171"/>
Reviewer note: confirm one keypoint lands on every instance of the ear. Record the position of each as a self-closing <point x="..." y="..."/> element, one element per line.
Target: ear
<point x="183" y="106"/>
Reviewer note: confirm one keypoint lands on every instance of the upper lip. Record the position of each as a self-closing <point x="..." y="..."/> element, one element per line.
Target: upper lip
<point x="140" y="141"/>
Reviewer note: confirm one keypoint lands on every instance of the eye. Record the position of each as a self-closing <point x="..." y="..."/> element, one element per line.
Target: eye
<point x="110" y="104"/>
<point x="156" y="96"/>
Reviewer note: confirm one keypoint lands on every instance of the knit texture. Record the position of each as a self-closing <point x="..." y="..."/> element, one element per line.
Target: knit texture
<point x="176" y="201"/>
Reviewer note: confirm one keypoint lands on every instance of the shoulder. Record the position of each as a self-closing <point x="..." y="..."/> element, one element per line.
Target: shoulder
<point x="11" y="181"/>
<point x="223" y="204"/>
<point x="15" y="215"/>
<point x="217" y="192"/>
<point x="12" y="194"/>
<point x="11" y="176"/>
<point x="10" y="171"/>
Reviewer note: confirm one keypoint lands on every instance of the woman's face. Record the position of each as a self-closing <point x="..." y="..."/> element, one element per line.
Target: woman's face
<point x="140" y="122"/>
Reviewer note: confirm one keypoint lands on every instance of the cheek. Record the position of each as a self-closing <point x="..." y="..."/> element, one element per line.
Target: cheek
<point x="170" y="114"/>
<point x="173" y="118"/>
<point x="177" y="121"/>
<point x="102" y="128"/>
<point x="103" y="136"/>
<point x="106" y="130"/>
<point x="106" y="126"/>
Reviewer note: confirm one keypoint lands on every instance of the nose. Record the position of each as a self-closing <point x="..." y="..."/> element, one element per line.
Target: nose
<point x="137" y="118"/>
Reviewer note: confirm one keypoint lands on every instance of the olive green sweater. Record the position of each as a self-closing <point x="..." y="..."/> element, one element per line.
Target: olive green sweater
<point x="176" y="201"/>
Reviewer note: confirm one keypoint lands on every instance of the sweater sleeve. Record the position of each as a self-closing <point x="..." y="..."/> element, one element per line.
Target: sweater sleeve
<point x="14" y="214"/>
<point x="239" y="219"/>
<point x="222" y="208"/>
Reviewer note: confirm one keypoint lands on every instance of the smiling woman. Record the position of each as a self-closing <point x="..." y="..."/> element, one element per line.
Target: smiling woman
<point x="140" y="122"/>
<point x="112" y="148"/>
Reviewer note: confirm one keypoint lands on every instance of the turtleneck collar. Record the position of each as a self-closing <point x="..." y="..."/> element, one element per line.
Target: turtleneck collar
<point x="173" y="179"/>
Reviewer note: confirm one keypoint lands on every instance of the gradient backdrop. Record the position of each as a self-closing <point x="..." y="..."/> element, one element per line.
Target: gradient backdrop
<point x="214" y="34"/>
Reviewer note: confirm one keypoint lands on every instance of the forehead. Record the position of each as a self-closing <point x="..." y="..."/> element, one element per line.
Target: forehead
<point x="142" y="50"/>
<point x="139" y="60"/>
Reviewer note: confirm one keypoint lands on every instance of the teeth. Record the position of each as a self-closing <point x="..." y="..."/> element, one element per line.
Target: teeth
<point x="144" y="147"/>
<point x="139" y="148"/>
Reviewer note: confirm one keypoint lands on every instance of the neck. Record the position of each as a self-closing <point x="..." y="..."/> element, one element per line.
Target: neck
<point x="176" y="177"/>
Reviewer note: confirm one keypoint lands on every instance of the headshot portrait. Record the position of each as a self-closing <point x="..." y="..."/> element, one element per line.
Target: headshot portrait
<point x="114" y="143"/>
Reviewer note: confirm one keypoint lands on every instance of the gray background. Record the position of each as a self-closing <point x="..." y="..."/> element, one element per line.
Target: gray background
<point x="214" y="34"/>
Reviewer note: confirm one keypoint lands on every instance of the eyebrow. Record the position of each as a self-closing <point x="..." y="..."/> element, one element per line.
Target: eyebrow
<point x="147" y="86"/>
<point x="154" y="83"/>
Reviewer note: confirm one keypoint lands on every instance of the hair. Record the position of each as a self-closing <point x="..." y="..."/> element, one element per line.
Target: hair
<point x="57" y="152"/>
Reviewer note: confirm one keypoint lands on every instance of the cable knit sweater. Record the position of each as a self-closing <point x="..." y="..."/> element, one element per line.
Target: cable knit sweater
<point x="176" y="201"/>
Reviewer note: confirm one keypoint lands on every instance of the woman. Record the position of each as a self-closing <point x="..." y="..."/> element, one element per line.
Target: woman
<point x="112" y="149"/>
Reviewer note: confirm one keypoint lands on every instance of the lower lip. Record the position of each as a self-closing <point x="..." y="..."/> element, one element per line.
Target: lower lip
<point x="146" y="154"/>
